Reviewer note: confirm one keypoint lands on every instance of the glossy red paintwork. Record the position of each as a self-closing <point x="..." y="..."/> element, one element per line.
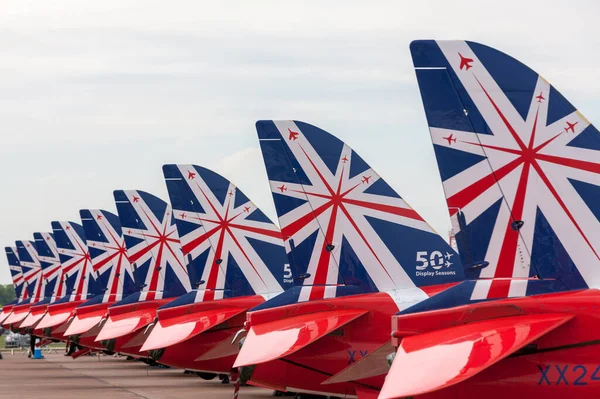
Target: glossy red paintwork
<point x="179" y="323"/>
<point x="373" y="364"/>
<point x="35" y="315"/>
<point x="280" y="338"/>
<point x="6" y="310"/>
<point x="57" y="314"/>
<point x="366" y="393"/>
<point x="441" y="358"/>
<point x="86" y="318"/>
<point x="18" y="314"/>
<point x="184" y="354"/>
<point x="127" y="319"/>
<point x="174" y="330"/>
<point x="208" y="347"/>
<point x="307" y="369"/>
<point x="561" y="363"/>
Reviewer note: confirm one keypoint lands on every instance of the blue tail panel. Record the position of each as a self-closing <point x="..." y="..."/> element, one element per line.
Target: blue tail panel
<point x="509" y="147"/>
<point x="153" y="245"/>
<point x="51" y="268"/>
<point x="342" y="222"/>
<point x="16" y="273"/>
<point x="79" y="279"/>
<point x="32" y="270"/>
<point x="108" y="253"/>
<point x="232" y="248"/>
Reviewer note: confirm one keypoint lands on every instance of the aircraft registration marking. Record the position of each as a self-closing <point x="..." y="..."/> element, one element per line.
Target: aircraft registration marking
<point x="564" y="374"/>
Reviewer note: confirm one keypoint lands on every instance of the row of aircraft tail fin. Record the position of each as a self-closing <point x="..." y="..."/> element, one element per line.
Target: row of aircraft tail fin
<point x="520" y="171"/>
<point x="341" y="222"/>
<point x="229" y="248"/>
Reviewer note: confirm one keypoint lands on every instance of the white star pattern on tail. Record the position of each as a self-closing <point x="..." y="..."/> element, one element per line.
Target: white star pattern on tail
<point x="224" y="231"/>
<point x="338" y="205"/>
<point x="78" y="264"/>
<point x="54" y="269"/>
<point x="160" y="244"/>
<point x="532" y="164"/>
<point x="114" y="258"/>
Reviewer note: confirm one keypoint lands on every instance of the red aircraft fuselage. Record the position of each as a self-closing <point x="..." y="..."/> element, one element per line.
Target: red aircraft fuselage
<point x="322" y="337"/>
<point x="198" y="336"/>
<point x="564" y="362"/>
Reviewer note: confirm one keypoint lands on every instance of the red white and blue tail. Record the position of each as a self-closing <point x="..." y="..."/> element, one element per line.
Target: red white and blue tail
<point x="32" y="270"/>
<point x="233" y="248"/>
<point x="519" y="165"/>
<point x="16" y="273"/>
<point x="77" y="274"/>
<point x="346" y="230"/>
<point x="51" y="268"/>
<point x="108" y="253"/>
<point x="152" y="245"/>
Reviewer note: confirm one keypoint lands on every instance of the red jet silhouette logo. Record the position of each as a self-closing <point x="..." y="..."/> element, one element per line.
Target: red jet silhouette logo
<point x="540" y="98"/>
<point x="451" y="139"/>
<point x="293" y="135"/>
<point x="571" y="127"/>
<point x="465" y="62"/>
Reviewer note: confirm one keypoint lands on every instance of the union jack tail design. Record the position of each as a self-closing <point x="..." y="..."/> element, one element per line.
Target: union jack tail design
<point x="520" y="168"/>
<point x="32" y="270"/>
<point x="108" y="253"/>
<point x="16" y="273"/>
<point x="232" y="248"/>
<point x="77" y="274"/>
<point x="50" y="262"/>
<point x="152" y="244"/>
<point x="342" y="223"/>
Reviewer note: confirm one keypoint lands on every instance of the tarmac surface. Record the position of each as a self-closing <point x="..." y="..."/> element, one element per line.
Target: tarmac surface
<point x="58" y="376"/>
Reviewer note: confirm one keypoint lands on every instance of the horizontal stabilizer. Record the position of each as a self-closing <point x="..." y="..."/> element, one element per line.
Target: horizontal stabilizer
<point x="84" y="321"/>
<point x="17" y="316"/>
<point x="280" y="338"/>
<point x="438" y="359"/>
<point x="125" y="323"/>
<point x="4" y="315"/>
<point x="138" y="339"/>
<point x="222" y="349"/>
<point x="174" y="330"/>
<point x="371" y="365"/>
<point x="32" y="319"/>
<point x="55" y="317"/>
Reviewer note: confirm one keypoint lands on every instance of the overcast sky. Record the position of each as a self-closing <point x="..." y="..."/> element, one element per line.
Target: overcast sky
<point x="96" y="96"/>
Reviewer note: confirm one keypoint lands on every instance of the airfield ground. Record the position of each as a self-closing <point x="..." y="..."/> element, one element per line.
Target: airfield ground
<point x="61" y="377"/>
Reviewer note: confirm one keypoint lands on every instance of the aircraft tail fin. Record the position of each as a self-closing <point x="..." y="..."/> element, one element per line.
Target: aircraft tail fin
<point x="519" y="166"/>
<point x="342" y="223"/>
<point x="233" y="249"/>
<point x="16" y="273"/>
<point x="108" y="253"/>
<point x="77" y="274"/>
<point x="48" y="257"/>
<point x="153" y="245"/>
<point x="32" y="270"/>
